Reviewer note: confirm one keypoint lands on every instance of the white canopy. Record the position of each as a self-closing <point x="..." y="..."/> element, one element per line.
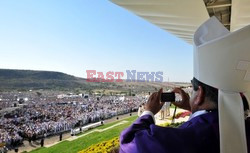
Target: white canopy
<point x="183" y="17"/>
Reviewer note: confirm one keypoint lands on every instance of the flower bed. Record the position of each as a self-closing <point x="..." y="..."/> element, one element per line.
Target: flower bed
<point x="103" y="147"/>
<point x="182" y="114"/>
<point x="174" y="125"/>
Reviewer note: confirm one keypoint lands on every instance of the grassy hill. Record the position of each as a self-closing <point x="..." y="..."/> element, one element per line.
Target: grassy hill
<point x="11" y="79"/>
<point x="29" y="79"/>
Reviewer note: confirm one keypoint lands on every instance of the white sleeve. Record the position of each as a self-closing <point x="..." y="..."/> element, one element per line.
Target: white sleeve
<point x="148" y="113"/>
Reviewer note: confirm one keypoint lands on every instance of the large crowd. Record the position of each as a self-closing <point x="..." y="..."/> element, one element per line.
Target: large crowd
<point x="45" y="117"/>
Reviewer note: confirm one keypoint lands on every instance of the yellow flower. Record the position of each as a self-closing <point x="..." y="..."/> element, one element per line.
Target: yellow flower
<point x="103" y="147"/>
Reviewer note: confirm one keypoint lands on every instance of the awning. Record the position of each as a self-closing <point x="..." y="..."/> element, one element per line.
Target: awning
<point x="182" y="17"/>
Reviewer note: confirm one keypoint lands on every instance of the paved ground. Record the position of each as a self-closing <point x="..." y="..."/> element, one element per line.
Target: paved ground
<point x="50" y="141"/>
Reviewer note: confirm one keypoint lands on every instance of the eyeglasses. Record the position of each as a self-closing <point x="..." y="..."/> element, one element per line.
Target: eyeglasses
<point x="194" y="84"/>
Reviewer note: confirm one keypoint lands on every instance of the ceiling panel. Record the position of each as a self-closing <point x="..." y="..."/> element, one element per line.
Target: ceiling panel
<point x="240" y="14"/>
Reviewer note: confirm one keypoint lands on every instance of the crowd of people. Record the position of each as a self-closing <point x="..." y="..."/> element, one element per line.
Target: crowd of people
<point x="44" y="117"/>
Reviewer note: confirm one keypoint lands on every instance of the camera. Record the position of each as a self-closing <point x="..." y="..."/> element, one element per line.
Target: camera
<point x="168" y="97"/>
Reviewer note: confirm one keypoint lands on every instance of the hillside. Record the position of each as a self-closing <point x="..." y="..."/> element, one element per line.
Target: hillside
<point x="48" y="80"/>
<point x="29" y="79"/>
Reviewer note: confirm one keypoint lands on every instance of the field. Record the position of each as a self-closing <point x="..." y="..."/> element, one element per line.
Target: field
<point x="103" y="133"/>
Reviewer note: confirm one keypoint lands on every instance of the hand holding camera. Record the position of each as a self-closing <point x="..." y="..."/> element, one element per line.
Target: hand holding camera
<point x="184" y="103"/>
<point x="157" y="100"/>
<point x="154" y="103"/>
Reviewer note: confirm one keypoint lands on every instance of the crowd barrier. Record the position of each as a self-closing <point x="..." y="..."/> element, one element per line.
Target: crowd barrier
<point x="85" y="128"/>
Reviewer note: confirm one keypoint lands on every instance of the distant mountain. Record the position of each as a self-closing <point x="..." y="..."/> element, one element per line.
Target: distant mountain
<point x="11" y="79"/>
<point x="18" y="74"/>
<point x="29" y="79"/>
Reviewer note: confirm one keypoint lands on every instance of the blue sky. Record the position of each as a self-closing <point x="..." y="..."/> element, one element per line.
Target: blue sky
<point x="79" y="35"/>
